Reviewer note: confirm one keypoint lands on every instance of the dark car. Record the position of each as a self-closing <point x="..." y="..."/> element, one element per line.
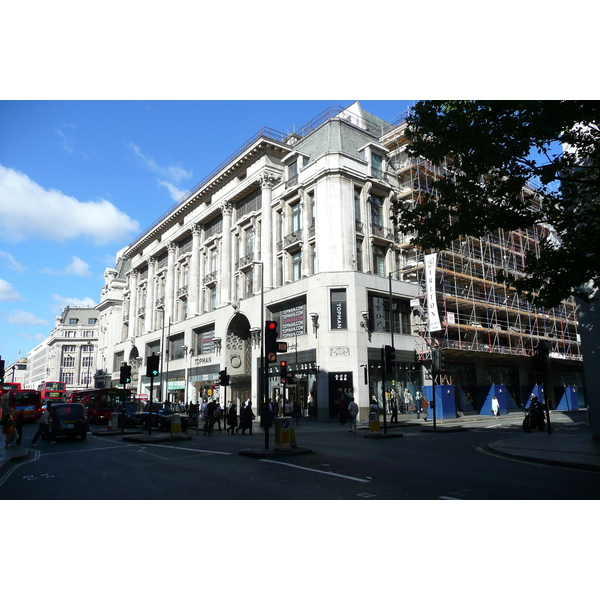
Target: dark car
<point x="67" y="419"/>
<point x="132" y="410"/>
<point x="162" y="412"/>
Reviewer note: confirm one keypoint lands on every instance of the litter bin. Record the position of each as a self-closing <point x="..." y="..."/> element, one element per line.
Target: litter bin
<point x="176" y="425"/>
<point x="285" y="433"/>
<point x="114" y="420"/>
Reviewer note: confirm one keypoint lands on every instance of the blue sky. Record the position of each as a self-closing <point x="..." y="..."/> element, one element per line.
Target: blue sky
<point x="80" y="179"/>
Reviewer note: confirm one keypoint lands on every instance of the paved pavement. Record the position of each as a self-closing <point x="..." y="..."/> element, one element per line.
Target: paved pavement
<point x="561" y="448"/>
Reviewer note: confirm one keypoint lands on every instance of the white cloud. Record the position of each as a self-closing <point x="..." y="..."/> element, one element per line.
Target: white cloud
<point x="62" y="302"/>
<point x="27" y="211"/>
<point x="7" y="293"/>
<point x="168" y="177"/>
<point x="36" y="337"/>
<point x="20" y="317"/>
<point x="76" y="267"/>
<point x="13" y="264"/>
<point x="175" y="193"/>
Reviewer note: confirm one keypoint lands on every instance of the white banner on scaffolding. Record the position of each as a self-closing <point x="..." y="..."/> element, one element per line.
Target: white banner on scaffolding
<point x="432" y="311"/>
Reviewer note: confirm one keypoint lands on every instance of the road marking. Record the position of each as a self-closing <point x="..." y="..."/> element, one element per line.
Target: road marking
<point x="275" y="462"/>
<point x="448" y="498"/>
<point x="17" y="465"/>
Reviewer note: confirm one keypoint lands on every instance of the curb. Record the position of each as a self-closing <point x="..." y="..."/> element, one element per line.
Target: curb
<point x="138" y="438"/>
<point x="455" y="429"/>
<point x="544" y="461"/>
<point x="381" y="436"/>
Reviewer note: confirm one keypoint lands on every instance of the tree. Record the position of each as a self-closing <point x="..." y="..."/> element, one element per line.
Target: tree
<point x="493" y="151"/>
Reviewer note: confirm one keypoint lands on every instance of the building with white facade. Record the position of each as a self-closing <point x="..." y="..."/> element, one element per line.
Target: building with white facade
<point x="294" y="228"/>
<point x="68" y="354"/>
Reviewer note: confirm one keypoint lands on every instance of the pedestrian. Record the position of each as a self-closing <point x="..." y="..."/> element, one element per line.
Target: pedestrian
<point x="8" y="427"/>
<point x="352" y="415"/>
<point x="19" y="422"/>
<point x="246" y="417"/>
<point x="287" y="409"/>
<point x="232" y="418"/>
<point x="296" y="412"/>
<point x="203" y="409"/>
<point x="374" y="416"/>
<point x="495" y="406"/>
<point x="394" y="407"/>
<point x="424" y="407"/>
<point x="43" y="428"/>
<point x="218" y="414"/>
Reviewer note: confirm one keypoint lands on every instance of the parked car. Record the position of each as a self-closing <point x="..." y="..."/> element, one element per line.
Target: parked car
<point x="162" y="413"/>
<point x="132" y="409"/>
<point x="67" y="419"/>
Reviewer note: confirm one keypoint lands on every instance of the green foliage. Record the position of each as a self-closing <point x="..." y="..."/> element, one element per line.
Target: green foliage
<point x="492" y="150"/>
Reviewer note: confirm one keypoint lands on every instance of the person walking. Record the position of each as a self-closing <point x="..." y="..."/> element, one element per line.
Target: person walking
<point x="246" y="417"/>
<point x="232" y="418"/>
<point x="352" y="414"/>
<point x="296" y="412"/>
<point x="19" y="422"/>
<point x="287" y="409"/>
<point x="8" y="427"/>
<point x="394" y="407"/>
<point x="43" y="428"/>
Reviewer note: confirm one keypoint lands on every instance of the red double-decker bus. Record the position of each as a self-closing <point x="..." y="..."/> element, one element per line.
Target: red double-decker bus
<point x="29" y="401"/>
<point x="100" y="403"/>
<point x="52" y="390"/>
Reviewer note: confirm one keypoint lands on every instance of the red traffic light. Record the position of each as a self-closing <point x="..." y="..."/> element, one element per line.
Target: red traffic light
<point x="283" y="363"/>
<point x="271" y="325"/>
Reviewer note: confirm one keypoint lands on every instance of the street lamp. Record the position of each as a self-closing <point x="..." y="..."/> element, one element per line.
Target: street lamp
<point x="264" y="375"/>
<point x="89" y="357"/>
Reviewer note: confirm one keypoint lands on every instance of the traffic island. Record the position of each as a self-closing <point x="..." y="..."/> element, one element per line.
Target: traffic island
<point x="155" y="439"/>
<point x="114" y="432"/>
<point x="433" y="429"/>
<point x="273" y="452"/>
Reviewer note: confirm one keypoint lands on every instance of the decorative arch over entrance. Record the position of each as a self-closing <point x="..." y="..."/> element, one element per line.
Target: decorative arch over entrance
<point x="238" y="349"/>
<point x="136" y="362"/>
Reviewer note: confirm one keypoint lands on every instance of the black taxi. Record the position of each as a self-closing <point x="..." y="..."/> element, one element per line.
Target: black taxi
<point x="67" y="419"/>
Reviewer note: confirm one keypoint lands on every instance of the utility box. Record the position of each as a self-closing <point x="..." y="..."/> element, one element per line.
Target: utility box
<point x="285" y="433"/>
<point x="176" y="425"/>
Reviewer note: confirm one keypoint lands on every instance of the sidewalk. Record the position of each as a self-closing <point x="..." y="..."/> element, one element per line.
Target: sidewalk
<point x="560" y="448"/>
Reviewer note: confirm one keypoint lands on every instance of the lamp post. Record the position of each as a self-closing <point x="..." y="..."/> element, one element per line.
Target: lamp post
<point x="89" y="357"/>
<point x="264" y="375"/>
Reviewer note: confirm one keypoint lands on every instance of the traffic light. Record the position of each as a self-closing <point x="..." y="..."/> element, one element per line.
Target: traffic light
<point x="1" y="371"/>
<point x="283" y="371"/>
<point x="223" y="378"/>
<point x="437" y="360"/>
<point x="125" y="374"/>
<point x="390" y="359"/>
<point x="271" y="346"/>
<point x="152" y="365"/>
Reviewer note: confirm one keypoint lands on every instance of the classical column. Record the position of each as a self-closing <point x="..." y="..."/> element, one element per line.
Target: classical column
<point x="306" y="266"/>
<point x="267" y="181"/>
<point x="149" y="310"/>
<point x="133" y="293"/>
<point x="170" y="283"/>
<point x="194" y="278"/>
<point x="226" y="270"/>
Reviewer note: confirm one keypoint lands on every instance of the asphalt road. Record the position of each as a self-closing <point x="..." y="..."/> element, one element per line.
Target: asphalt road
<point x="342" y="466"/>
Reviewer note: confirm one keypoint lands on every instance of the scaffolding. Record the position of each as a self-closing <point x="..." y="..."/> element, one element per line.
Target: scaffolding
<point x="478" y="311"/>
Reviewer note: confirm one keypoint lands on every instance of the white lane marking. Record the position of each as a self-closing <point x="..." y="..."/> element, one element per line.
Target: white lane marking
<point x="448" y="498"/>
<point x="275" y="462"/>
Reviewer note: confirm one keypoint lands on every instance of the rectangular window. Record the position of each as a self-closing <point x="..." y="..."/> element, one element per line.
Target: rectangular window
<point x="359" y="255"/>
<point x="379" y="314"/>
<point x="249" y="241"/>
<point x="68" y="378"/>
<point x="296" y="265"/>
<point x="68" y="361"/>
<point x="357" y="204"/>
<point x="176" y="348"/>
<point x="86" y="361"/>
<point x="73" y="321"/>
<point x="377" y="165"/>
<point x="205" y="343"/>
<point x="296" y="217"/>
<point x="213" y="297"/>
<point x="376" y="210"/>
<point x="291" y="317"/>
<point x="92" y="321"/>
<point x="379" y="261"/>
<point x="339" y="316"/>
